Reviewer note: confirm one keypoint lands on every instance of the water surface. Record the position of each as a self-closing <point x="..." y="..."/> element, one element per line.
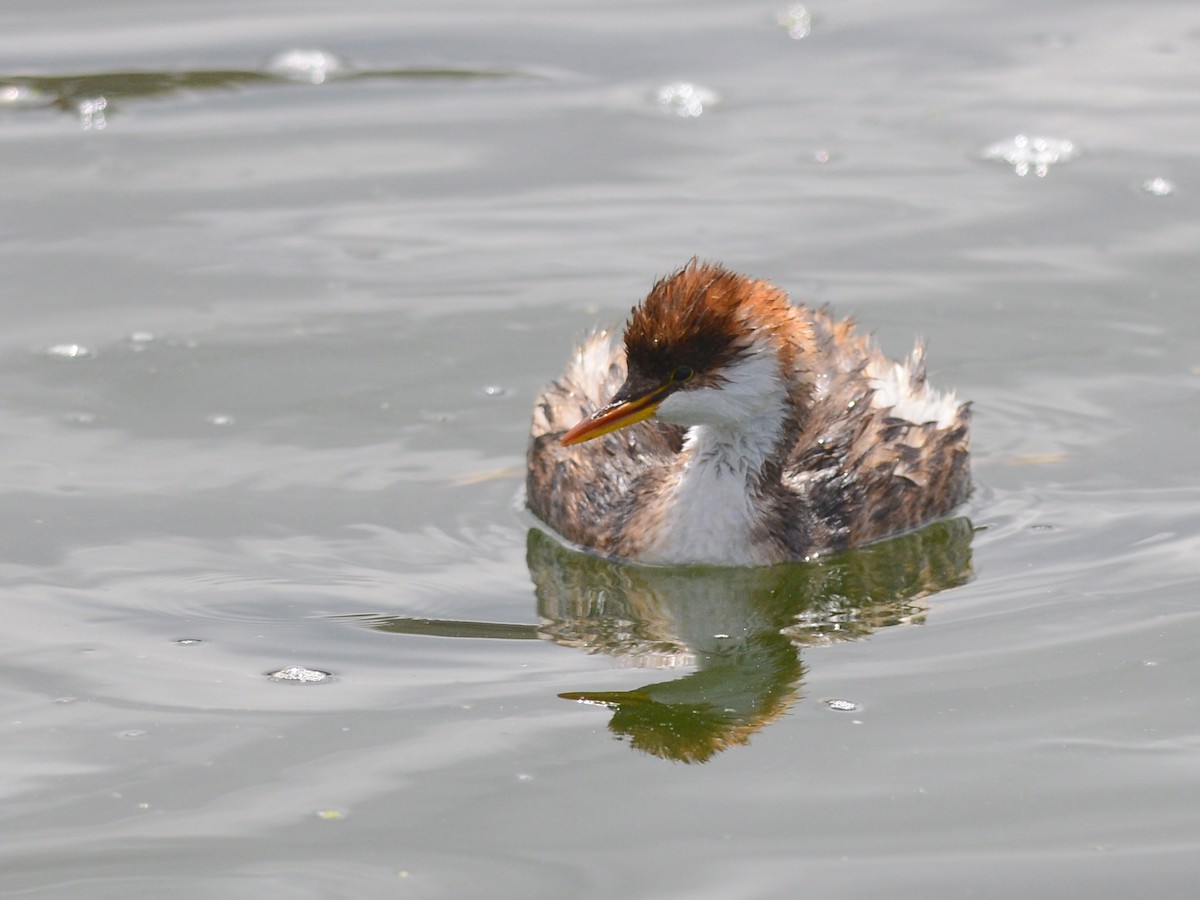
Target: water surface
<point x="274" y="322"/>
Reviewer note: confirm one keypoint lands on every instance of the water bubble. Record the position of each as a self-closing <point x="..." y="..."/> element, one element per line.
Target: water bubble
<point x="142" y="337"/>
<point x="18" y="96"/>
<point x="1159" y="187"/>
<point x="842" y="705"/>
<point x="91" y="113"/>
<point x="1036" y="154"/>
<point x="220" y="419"/>
<point x="70" y="351"/>
<point x="684" y="99"/>
<point x="796" y="20"/>
<point x="300" y="675"/>
<point x="495" y="390"/>
<point x="189" y="642"/>
<point x="310" y="66"/>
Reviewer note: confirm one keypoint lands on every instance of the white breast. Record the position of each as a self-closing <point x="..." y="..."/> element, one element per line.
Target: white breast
<point x="710" y="519"/>
<point x="712" y="511"/>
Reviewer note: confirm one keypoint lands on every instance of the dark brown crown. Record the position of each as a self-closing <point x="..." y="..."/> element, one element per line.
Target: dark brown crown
<point x="703" y="316"/>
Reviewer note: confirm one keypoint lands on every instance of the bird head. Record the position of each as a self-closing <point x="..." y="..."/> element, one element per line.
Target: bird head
<point x="707" y="345"/>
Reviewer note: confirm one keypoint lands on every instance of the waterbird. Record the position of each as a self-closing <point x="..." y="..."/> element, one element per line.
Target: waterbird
<point x="732" y="427"/>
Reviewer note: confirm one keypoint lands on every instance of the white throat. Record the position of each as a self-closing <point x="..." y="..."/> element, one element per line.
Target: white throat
<point x="713" y="510"/>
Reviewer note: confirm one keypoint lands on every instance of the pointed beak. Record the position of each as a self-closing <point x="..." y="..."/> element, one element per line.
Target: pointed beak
<point x="619" y="412"/>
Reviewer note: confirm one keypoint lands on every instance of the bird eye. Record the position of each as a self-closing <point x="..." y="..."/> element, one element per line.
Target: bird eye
<point x="683" y="373"/>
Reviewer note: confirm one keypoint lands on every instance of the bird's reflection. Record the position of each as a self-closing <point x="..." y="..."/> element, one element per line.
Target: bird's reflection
<point x="741" y="628"/>
<point x="738" y="631"/>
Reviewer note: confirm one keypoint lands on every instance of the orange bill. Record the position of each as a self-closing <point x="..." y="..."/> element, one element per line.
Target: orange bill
<point x="615" y="415"/>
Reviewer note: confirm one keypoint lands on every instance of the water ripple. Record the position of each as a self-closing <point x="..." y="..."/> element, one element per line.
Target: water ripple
<point x="93" y="97"/>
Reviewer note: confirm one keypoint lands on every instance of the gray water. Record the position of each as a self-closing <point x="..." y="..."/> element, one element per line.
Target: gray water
<point x="273" y="327"/>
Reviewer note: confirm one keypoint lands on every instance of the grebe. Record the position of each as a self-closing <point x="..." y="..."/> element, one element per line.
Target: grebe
<point x="770" y="432"/>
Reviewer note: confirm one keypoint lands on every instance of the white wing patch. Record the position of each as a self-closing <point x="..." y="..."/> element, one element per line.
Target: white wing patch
<point x="901" y="388"/>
